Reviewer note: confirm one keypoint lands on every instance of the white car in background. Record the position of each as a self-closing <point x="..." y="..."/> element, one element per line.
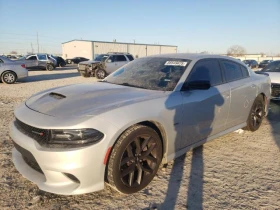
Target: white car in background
<point x="273" y="69"/>
<point x="11" y="71"/>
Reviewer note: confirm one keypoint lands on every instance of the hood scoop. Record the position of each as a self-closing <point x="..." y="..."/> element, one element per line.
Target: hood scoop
<point x="57" y="95"/>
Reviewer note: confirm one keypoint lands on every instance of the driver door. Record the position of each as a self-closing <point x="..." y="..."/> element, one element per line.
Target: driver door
<point x="205" y="111"/>
<point x="111" y="65"/>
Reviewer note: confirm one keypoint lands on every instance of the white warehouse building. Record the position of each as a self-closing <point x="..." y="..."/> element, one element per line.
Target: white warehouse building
<point x="90" y="49"/>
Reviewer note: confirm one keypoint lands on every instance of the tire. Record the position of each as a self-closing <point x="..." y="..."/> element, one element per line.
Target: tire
<point x="256" y="115"/>
<point x="9" y="77"/>
<point x="49" y="67"/>
<point x="100" y="74"/>
<point x="62" y="64"/>
<point x="134" y="160"/>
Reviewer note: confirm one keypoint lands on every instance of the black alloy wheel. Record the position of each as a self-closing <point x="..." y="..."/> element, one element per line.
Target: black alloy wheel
<point x="135" y="159"/>
<point x="256" y="115"/>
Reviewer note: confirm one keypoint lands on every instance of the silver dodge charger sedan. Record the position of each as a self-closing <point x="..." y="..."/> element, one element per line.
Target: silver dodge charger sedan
<point x="74" y="139"/>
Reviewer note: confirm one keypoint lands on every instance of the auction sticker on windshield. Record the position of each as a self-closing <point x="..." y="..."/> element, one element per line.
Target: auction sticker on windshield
<point x="175" y="63"/>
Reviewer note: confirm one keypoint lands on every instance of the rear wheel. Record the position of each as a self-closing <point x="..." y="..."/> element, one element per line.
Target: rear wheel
<point x="135" y="159"/>
<point x="256" y="115"/>
<point x="9" y="77"/>
<point x="49" y="67"/>
<point x="100" y="73"/>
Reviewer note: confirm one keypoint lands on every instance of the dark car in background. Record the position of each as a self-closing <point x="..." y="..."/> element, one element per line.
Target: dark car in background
<point x="264" y="63"/>
<point x="60" y="61"/>
<point x="76" y="60"/>
<point x="251" y="63"/>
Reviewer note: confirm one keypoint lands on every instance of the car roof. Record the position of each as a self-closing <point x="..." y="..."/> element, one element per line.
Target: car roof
<point x="194" y="56"/>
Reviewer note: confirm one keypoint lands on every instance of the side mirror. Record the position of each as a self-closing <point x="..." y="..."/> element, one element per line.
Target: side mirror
<point x="197" y="85"/>
<point x="109" y="61"/>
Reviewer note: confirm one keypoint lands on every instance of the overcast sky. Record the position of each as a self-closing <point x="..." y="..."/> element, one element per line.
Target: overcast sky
<point x="192" y="25"/>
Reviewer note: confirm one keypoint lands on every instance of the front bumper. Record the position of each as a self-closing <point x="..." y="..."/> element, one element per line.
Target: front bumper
<point x="55" y="166"/>
<point x="66" y="171"/>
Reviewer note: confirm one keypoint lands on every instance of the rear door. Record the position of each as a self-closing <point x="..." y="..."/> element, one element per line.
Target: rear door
<point x="121" y="60"/>
<point x="242" y="89"/>
<point x="42" y="61"/>
<point x="205" y="111"/>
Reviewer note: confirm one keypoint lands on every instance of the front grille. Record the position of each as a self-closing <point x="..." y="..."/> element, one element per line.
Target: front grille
<point x="82" y="66"/>
<point x="28" y="158"/>
<point x="40" y="135"/>
<point x="275" y="90"/>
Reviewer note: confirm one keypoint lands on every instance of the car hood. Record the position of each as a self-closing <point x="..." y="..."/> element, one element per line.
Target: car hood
<point x="89" y="62"/>
<point x="274" y="77"/>
<point x="87" y="99"/>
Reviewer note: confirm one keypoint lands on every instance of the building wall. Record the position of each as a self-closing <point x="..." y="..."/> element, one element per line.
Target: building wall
<point x="90" y="49"/>
<point x="102" y="47"/>
<point x="77" y="48"/>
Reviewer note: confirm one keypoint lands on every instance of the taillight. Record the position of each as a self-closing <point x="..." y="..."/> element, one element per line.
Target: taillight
<point x="23" y="65"/>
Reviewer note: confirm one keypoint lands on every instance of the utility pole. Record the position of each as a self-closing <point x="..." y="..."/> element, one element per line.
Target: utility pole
<point x="38" y="42"/>
<point x="32" y="48"/>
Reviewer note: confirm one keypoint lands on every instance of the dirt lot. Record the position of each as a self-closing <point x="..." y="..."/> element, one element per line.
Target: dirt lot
<point x="237" y="171"/>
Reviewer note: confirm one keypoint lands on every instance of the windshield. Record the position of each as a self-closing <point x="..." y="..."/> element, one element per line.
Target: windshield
<point x="101" y="57"/>
<point x="153" y="73"/>
<point x="246" y="61"/>
<point x="272" y="67"/>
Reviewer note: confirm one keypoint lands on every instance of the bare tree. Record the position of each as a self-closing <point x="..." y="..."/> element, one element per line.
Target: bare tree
<point x="236" y="50"/>
<point x="262" y="54"/>
<point x="13" y="52"/>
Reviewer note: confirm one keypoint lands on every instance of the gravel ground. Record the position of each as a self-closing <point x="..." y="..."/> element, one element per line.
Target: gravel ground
<point x="237" y="171"/>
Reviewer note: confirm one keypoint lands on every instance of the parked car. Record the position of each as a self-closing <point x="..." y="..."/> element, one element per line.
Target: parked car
<point x="104" y="64"/>
<point x="76" y="60"/>
<point x="71" y="139"/>
<point x="60" y="61"/>
<point x="11" y="71"/>
<point x="39" y="61"/>
<point x="273" y="69"/>
<point x="264" y="63"/>
<point x="251" y="63"/>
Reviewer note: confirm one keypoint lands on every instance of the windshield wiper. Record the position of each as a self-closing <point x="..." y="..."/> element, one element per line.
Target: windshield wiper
<point x="130" y="85"/>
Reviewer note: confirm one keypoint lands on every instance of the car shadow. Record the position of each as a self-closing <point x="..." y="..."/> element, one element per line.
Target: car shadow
<point x="44" y="77"/>
<point x="274" y="120"/>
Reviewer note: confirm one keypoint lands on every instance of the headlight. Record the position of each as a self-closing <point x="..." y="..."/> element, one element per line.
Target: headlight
<point x="75" y="136"/>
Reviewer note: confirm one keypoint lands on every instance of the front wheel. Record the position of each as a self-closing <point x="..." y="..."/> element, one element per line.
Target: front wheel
<point x="135" y="159"/>
<point x="100" y="74"/>
<point x="9" y="77"/>
<point x="256" y="115"/>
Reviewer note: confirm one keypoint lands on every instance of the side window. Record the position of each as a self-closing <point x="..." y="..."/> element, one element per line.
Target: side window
<point x="232" y="71"/>
<point x="112" y="58"/>
<point x="207" y="70"/>
<point x="1" y="61"/>
<point x="33" y="57"/>
<point x="130" y="57"/>
<point x="42" y="57"/>
<point x="244" y="71"/>
<point x="120" y="58"/>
